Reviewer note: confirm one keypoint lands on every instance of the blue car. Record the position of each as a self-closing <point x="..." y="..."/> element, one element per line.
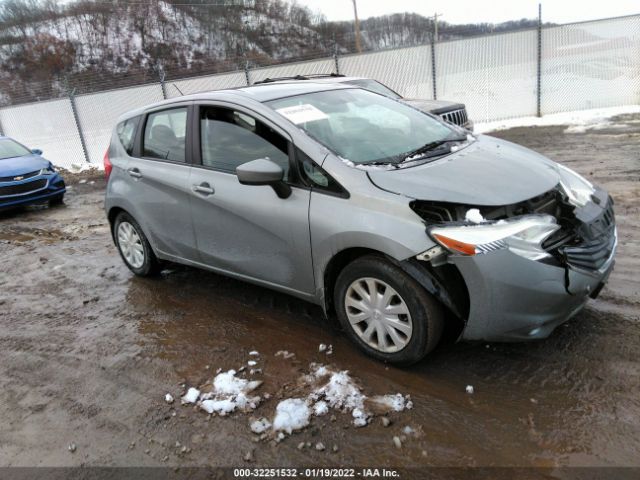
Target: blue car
<point x="26" y="177"/>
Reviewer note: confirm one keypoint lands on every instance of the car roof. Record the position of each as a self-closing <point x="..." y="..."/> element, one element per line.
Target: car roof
<point x="264" y="92"/>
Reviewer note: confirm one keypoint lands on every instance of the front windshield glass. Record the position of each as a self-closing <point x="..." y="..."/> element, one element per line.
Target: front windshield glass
<point x="361" y="126"/>
<point x="10" y="149"/>
<point x="375" y="87"/>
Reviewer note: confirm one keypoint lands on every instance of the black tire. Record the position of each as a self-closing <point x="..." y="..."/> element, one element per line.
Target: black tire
<point x="150" y="265"/>
<point x="426" y="312"/>
<point x="57" y="200"/>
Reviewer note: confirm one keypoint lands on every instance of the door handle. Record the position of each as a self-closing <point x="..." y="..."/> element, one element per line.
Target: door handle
<point x="204" y="188"/>
<point x="134" y="172"/>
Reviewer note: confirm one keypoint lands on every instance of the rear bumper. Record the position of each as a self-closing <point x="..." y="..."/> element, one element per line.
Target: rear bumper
<point x="53" y="187"/>
<point x="515" y="299"/>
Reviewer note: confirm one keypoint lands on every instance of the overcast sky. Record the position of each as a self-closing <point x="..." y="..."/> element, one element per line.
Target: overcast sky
<point x="473" y="11"/>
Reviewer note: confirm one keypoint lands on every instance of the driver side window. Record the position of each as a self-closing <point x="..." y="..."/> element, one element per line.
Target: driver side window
<point x="230" y="138"/>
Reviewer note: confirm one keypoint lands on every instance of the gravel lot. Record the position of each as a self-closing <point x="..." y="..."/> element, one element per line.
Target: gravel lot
<point x="88" y="352"/>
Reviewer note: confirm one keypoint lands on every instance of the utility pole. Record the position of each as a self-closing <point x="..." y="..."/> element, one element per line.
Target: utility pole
<point x="435" y="25"/>
<point x="357" y="27"/>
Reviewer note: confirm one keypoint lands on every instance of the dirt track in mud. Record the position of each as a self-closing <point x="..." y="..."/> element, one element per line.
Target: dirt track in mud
<point x="88" y="351"/>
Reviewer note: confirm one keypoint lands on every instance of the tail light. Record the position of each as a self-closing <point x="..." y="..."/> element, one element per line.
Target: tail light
<point x="107" y="165"/>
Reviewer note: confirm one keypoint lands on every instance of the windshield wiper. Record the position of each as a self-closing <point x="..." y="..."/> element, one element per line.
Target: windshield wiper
<point x="428" y="147"/>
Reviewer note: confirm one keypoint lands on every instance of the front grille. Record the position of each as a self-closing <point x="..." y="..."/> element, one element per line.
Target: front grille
<point x="596" y="242"/>
<point x="23" y="175"/>
<point x="23" y="187"/>
<point x="591" y="255"/>
<point x="457" y="117"/>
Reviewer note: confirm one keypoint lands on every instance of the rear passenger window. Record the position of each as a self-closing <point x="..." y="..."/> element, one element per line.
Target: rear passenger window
<point x="165" y="134"/>
<point x="230" y="138"/>
<point x="127" y="133"/>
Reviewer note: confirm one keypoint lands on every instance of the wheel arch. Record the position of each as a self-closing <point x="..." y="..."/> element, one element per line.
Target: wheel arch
<point x="445" y="284"/>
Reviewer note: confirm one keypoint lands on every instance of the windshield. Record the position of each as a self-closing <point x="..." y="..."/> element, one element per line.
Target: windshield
<point x="361" y="126"/>
<point x="375" y="87"/>
<point x="10" y="149"/>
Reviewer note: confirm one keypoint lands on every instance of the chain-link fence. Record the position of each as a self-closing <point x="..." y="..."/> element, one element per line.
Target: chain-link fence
<point x="499" y="76"/>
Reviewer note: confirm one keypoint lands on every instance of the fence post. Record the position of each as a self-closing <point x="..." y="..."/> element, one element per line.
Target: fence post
<point x="539" y="73"/>
<point x="433" y="67"/>
<point x="246" y="73"/>
<point x="76" y="119"/>
<point x="335" y="55"/>
<point x="1" y="129"/>
<point x="163" y="86"/>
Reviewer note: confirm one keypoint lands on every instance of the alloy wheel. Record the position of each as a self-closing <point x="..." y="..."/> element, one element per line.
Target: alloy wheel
<point x="130" y="245"/>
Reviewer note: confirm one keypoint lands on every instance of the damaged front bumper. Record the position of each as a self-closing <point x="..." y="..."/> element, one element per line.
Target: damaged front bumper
<point x="514" y="299"/>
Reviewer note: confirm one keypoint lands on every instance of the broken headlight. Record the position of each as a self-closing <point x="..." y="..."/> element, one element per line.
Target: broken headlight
<point x="522" y="236"/>
<point x="577" y="188"/>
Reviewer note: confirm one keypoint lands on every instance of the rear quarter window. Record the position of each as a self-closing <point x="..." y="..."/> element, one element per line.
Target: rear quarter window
<point x="126" y="132"/>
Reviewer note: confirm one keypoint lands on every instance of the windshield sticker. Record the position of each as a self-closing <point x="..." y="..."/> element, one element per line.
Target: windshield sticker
<point x="302" y="113"/>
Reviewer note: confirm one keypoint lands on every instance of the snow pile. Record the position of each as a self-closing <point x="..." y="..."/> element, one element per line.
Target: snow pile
<point x="473" y="215"/>
<point x="191" y="396"/>
<point x="260" y="426"/>
<point x="229" y="393"/>
<point x="291" y="414"/>
<point x="319" y="391"/>
<point x="337" y="390"/>
<point x="579" y="121"/>
<point x="340" y="391"/>
<point x="320" y="408"/>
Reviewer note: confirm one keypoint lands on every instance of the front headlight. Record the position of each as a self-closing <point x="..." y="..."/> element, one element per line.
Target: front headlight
<point x="523" y="236"/>
<point x="577" y="188"/>
<point x="48" y="170"/>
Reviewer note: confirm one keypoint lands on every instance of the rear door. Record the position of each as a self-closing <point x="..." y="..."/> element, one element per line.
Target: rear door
<point x="158" y="176"/>
<point x="248" y="230"/>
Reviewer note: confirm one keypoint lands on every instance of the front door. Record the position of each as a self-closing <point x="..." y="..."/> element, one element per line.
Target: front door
<point x="248" y="230"/>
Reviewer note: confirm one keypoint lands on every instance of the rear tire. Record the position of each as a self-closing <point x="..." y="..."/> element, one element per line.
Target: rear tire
<point x="400" y="323"/>
<point x="133" y="246"/>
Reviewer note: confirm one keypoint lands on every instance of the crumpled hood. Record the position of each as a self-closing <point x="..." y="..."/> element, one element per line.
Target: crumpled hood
<point x="10" y="167"/>
<point x="488" y="172"/>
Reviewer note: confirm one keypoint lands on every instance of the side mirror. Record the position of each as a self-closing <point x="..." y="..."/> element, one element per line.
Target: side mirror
<point x="36" y="151"/>
<point x="264" y="172"/>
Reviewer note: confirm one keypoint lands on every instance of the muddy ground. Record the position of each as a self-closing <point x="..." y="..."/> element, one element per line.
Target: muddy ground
<point x="88" y="351"/>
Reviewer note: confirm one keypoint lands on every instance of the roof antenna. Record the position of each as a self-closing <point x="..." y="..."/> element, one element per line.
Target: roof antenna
<point x="179" y="91"/>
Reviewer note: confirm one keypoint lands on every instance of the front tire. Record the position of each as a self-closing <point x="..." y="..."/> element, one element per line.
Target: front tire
<point x="386" y="312"/>
<point x="133" y="246"/>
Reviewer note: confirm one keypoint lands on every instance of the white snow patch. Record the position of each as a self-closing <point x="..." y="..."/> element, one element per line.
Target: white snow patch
<point x="581" y="120"/>
<point x="229" y="393"/>
<point x="227" y="383"/>
<point x="191" y="396"/>
<point x="291" y="414"/>
<point x="252" y="363"/>
<point x="254" y="353"/>
<point x="473" y="215"/>
<point x="218" y="406"/>
<point x="168" y="398"/>
<point x="320" y="408"/>
<point x="396" y="403"/>
<point x="469" y="389"/>
<point x="341" y="392"/>
<point x="260" y="426"/>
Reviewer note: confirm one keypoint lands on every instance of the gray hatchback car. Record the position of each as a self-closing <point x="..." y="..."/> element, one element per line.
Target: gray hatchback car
<point x="391" y="219"/>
